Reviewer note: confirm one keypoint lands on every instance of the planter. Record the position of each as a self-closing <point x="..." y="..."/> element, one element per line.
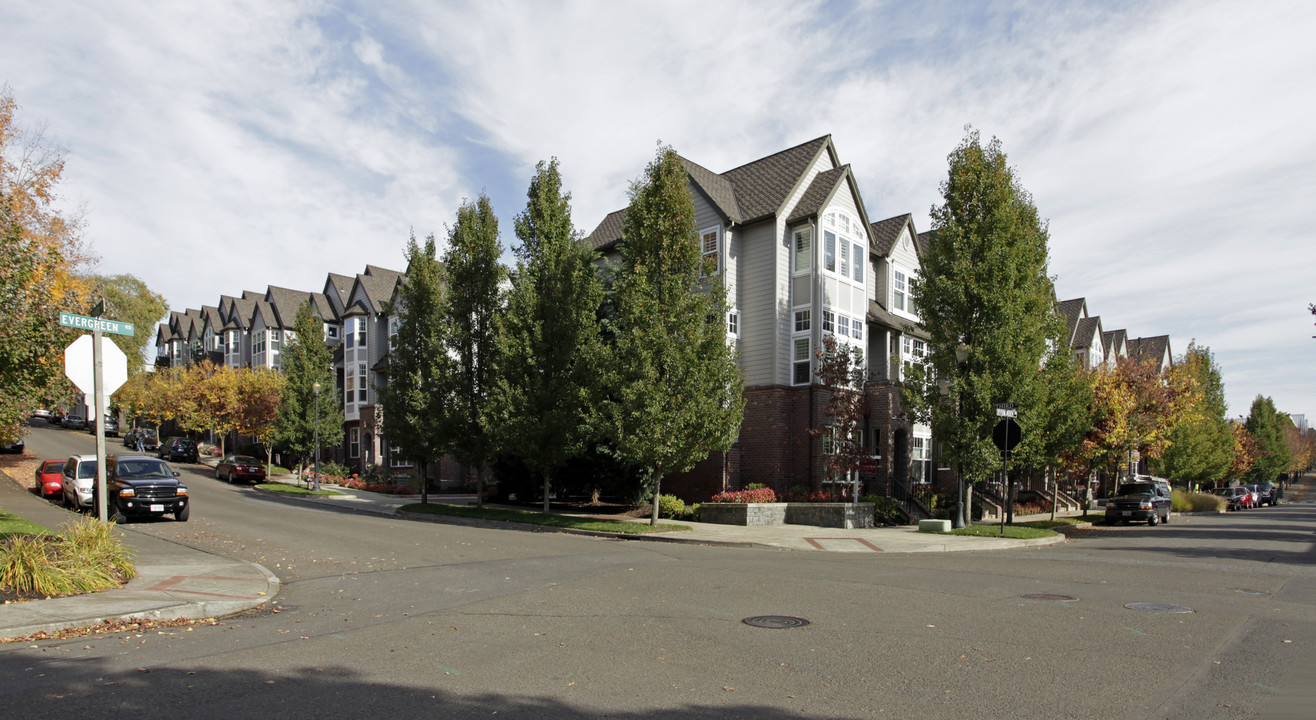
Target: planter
<point x="743" y="513"/>
<point x="836" y="515"/>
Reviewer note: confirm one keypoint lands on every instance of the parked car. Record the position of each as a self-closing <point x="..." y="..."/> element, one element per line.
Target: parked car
<point x="41" y="414"/>
<point x="49" y="477"/>
<point x="111" y="425"/>
<point x="240" y="467"/>
<point x="178" y="449"/>
<point x="1139" y="501"/>
<point x="78" y="480"/>
<point x="1267" y="493"/>
<point x="1250" y="500"/>
<point x="139" y="485"/>
<point x="73" y="421"/>
<point x="146" y="435"/>
<point x="1235" y="497"/>
<point x="16" y="446"/>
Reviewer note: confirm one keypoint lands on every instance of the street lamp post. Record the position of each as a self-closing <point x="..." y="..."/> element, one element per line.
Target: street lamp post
<point x="316" y="389"/>
<point x="962" y="361"/>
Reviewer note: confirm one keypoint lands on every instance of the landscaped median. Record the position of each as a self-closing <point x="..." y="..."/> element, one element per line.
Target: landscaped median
<point x="523" y="517"/>
<point x="85" y="557"/>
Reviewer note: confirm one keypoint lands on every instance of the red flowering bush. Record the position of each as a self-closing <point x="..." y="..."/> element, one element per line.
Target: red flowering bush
<point x="357" y="483"/>
<point x="759" y="495"/>
<point x="817" y="496"/>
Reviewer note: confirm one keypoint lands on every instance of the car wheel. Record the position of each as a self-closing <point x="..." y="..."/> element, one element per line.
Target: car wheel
<point x="217" y="475"/>
<point x="1154" y="520"/>
<point x="231" y="477"/>
<point x="182" y="515"/>
<point x="1166" y="519"/>
<point x="117" y="517"/>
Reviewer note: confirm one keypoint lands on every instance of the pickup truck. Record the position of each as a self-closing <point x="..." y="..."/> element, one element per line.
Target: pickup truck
<point x="1139" y="501"/>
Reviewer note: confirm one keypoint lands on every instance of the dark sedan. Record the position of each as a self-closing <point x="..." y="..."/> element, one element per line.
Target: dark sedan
<point x="240" y="467"/>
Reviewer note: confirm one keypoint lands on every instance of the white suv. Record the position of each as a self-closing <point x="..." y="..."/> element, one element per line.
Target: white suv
<point x="78" y="481"/>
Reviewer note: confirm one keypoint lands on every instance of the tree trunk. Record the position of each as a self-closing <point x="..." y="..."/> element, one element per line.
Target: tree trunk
<point x="424" y="484"/>
<point x="548" y="485"/>
<point x="479" y="487"/>
<point x="657" y="490"/>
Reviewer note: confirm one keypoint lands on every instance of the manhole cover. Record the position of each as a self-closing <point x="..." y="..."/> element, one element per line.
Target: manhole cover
<point x="1159" y="608"/>
<point x="775" y="622"/>
<point x="1051" y="596"/>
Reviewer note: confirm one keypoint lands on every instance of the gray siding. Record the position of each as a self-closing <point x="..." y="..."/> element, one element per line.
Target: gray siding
<point x="761" y="303"/>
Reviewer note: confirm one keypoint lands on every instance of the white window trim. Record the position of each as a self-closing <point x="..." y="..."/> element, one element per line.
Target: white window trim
<point x="716" y="252"/>
<point x="808" y="360"/>
<point x="807" y="232"/>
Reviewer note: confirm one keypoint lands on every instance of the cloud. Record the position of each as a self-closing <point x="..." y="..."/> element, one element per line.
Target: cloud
<point x="232" y="145"/>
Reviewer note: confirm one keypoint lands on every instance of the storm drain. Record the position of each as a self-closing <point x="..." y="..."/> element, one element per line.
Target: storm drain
<point x="1158" y="607"/>
<point x="775" y="622"/>
<point x="1051" y="596"/>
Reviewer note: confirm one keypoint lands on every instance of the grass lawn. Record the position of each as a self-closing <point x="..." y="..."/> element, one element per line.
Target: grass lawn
<point x="11" y="524"/>
<point x="1023" y="532"/>
<point x="294" y="489"/>
<point x="537" y="518"/>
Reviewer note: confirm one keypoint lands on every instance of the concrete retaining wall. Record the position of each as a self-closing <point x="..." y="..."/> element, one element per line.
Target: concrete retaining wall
<point x="837" y="515"/>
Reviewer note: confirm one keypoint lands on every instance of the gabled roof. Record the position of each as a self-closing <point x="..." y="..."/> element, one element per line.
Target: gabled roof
<point x="1155" y="350"/>
<point x="242" y="309"/>
<point x="286" y="302"/>
<point x="210" y="318"/>
<point x="1072" y="311"/>
<point x="1088" y="329"/>
<point x="608" y="232"/>
<point x="378" y="284"/>
<point x="886" y="232"/>
<point x="1114" y="340"/>
<point x="717" y="188"/>
<point x="341" y="285"/>
<point x="756" y="190"/>
<point x="820" y="192"/>
<point x="763" y="185"/>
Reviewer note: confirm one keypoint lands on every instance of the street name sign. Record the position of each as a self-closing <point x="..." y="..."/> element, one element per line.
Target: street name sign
<point x="82" y="322"/>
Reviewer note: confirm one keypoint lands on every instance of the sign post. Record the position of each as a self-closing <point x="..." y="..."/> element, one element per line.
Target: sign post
<point x="75" y="366"/>
<point x="1006" y="435"/>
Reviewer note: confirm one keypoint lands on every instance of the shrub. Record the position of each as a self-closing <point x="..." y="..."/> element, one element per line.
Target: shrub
<point x="886" y="510"/>
<point x="756" y="486"/>
<point x="691" y="512"/>
<point x="86" y="557"/>
<point x="758" y="495"/>
<point x="799" y="494"/>
<point x="670" y="506"/>
<point x="1181" y="501"/>
<point x="329" y="467"/>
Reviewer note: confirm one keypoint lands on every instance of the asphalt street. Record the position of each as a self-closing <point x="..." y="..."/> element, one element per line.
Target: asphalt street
<point x="380" y="616"/>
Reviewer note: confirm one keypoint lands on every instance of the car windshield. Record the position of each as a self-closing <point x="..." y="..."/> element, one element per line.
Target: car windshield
<point x="1137" y="489"/>
<point x="87" y="469"/>
<point x="144" y="468"/>
<point x="53" y="466"/>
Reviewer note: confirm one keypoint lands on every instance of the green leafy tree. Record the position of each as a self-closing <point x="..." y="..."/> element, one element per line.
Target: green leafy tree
<point x="1267" y="424"/>
<point x="306" y="360"/>
<point x="674" y="386"/>
<point x="548" y="337"/>
<point x="472" y="276"/>
<point x="984" y="285"/>
<point x="418" y="364"/>
<point x="841" y="370"/>
<point x="129" y="299"/>
<point x="1060" y="418"/>
<point x="41" y="260"/>
<point x="1200" y="444"/>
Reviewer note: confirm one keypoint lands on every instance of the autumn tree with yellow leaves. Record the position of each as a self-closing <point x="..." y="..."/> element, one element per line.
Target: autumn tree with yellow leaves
<point x="41" y="254"/>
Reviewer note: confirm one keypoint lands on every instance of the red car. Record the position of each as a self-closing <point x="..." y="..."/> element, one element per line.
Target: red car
<point x="240" y="467"/>
<point x="49" y="475"/>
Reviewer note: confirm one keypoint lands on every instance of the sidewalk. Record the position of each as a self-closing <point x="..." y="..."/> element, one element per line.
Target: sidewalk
<point x="174" y="582"/>
<point x="903" y="539"/>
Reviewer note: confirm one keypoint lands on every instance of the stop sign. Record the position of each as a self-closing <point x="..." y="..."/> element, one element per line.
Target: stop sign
<point x="79" y="368"/>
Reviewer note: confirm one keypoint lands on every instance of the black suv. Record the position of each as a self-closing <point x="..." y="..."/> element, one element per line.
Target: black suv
<point x="1139" y="501"/>
<point x="178" y="449"/>
<point x="141" y="485"/>
<point x="1267" y="493"/>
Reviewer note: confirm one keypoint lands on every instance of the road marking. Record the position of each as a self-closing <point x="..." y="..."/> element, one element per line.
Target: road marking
<point x="818" y="543"/>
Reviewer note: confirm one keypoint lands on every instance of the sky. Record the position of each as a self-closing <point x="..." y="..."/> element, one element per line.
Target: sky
<point x="226" y="146"/>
